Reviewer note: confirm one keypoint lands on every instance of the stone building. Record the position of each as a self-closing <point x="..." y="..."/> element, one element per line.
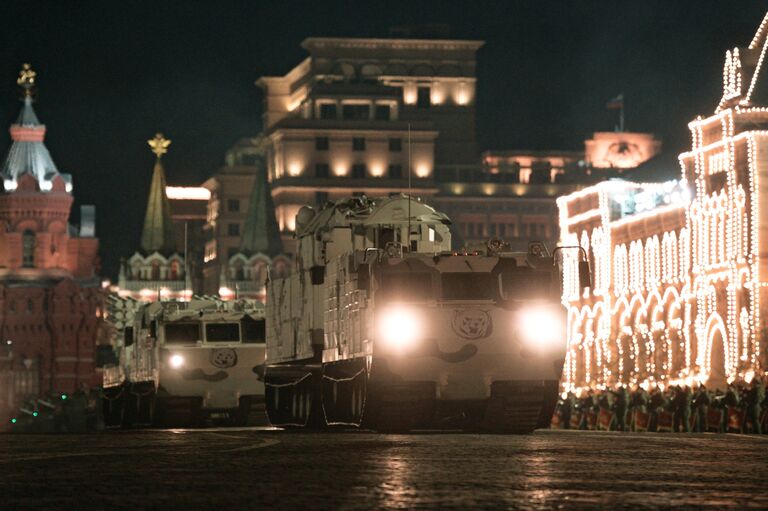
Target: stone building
<point x="51" y="298"/>
<point x="357" y="114"/>
<point x="681" y="268"/>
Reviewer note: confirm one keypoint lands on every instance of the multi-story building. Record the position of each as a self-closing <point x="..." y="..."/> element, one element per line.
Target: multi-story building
<point x="681" y="273"/>
<point x="511" y="195"/>
<point x="358" y="116"/>
<point x="362" y="116"/>
<point x="50" y="295"/>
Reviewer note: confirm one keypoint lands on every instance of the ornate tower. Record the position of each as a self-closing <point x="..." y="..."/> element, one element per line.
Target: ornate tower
<point x="157" y="270"/>
<point x="245" y="273"/>
<point x="50" y="295"/>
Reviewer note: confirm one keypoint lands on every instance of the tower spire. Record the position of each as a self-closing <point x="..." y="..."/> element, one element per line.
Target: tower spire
<point x="261" y="233"/>
<point x="28" y="154"/>
<point x="26" y="79"/>
<point x="157" y="234"/>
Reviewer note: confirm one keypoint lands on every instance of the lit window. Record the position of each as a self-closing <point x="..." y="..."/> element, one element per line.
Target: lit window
<point x="382" y="113"/>
<point x="356" y="112"/>
<point x="327" y="111"/>
<point x="358" y="171"/>
<point x="423" y="98"/>
<point x="28" y="249"/>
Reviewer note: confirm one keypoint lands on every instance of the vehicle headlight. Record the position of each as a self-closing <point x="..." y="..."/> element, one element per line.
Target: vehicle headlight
<point x="176" y="361"/>
<point x="540" y="326"/>
<point x="399" y="328"/>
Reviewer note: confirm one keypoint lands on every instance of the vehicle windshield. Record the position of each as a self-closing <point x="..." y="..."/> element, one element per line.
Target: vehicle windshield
<point x="182" y="333"/>
<point x="406" y="286"/>
<point x="222" y="332"/>
<point x="254" y="330"/>
<point x="469" y="286"/>
<point x="527" y="284"/>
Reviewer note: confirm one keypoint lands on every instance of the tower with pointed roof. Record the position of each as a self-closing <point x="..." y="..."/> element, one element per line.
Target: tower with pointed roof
<point x="157" y="270"/>
<point x="50" y="293"/>
<point x="242" y="231"/>
<point x="245" y="273"/>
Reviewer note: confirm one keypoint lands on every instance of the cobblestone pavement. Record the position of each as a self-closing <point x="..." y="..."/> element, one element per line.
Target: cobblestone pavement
<point x="227" y="469"/>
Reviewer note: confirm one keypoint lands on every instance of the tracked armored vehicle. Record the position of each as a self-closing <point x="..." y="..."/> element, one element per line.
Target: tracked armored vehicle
<point x="180" y="363"/>
<point x="381" y="325"/>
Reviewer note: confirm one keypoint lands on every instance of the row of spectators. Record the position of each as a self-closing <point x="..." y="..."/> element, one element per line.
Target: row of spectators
<point x="741" y="408"/>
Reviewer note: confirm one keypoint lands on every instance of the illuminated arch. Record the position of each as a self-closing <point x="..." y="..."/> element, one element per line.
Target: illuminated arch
<point x="717" y="360"/>
<point x="620" y="270"/>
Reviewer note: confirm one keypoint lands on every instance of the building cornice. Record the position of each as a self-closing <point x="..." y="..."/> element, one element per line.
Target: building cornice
<point x="311" y="43"/>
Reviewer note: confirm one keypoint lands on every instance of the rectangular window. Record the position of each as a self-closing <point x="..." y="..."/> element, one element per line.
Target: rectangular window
<point x="358" y="171"/>
<point x="321" y="143"/>
<point x="182" y="333"/>
<point x="395" y="171"/>
<point x="395" y="145"/>
<point x="356" y="112"/>
<point x="492" y="229"/>
<point x="382" y="113"/>
<point x="222" y="332"/>
<point x="358" y="144"/>
<point x="469" y="286"/>
<point x="321" y="198"/>
<point x="233" y="229"/>
<point x="233" y="205"/>
<point x="328" y="111"/>
<point x="423" y="98"/>
<point x="471" y="230"/>
<point x="128" y="336"/>
<point x="254" y="330"/>
<point x="405" y="286"/>
<point x="322" y="170"/>
<point x="503" y="230"/>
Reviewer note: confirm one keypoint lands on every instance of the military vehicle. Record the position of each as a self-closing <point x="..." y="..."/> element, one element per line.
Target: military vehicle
<point x="382" y="326"/>
<point x="180" y="363"/>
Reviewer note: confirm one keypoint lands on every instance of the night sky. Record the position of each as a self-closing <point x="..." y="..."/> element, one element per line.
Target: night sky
<point x="111" y="74"/>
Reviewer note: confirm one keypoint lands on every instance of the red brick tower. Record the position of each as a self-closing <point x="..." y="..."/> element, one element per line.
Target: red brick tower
<point x="50" y="296"/>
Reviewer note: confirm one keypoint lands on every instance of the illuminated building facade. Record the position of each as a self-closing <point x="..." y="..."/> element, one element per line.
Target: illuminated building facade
<point x="512" y="194"/>
<point x="50" y="295"/>
<point x="338" y="123"/>
<point x="681" y="268"/>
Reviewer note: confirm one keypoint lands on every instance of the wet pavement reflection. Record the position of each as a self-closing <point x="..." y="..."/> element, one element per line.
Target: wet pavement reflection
<point x="264" y="468"/>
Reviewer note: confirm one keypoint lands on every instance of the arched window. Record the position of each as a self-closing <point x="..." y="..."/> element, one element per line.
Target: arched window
<point x="28" y="249"/>
<point x="174" y="270"/>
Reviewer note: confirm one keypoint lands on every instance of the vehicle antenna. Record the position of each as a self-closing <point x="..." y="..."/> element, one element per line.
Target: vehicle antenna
<point x="409" y="188"/>
<point x="186" y="260"/>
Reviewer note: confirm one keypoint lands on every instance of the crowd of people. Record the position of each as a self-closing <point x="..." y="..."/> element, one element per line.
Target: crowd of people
<point x="741" y="408"/>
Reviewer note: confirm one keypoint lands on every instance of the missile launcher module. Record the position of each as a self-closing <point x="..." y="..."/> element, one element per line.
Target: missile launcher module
<point x="179" y="363"/>
<point x="381" y="325"/>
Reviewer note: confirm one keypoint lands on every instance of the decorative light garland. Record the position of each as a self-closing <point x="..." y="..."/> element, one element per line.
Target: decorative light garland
<point x="677" y="281"/>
